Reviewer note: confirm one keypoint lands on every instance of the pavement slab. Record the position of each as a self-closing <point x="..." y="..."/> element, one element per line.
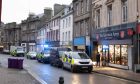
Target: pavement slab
<point x="120" y="73"/>
<point x="16" y="76"/>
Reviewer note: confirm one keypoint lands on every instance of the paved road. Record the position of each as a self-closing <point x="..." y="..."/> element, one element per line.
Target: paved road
<point x="51" y="74"/>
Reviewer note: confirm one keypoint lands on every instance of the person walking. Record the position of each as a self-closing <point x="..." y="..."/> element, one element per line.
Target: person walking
<point x="98" y="59"/>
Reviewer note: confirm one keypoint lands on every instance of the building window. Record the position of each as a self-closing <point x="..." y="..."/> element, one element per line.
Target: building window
<point x="63" y="23"/>
<point x="77" y="9"/>
<point x="82" y="28"/>
<point x="87" y="26"/>
<point x="69" y="36"/>
<point x="87" y="5"/>
<point x="66" y="37"/>
<point x="112" y="54"/>
<point x="97" y="18"/>
<point x="124" y="55"/>
<point x="82" y="7"/>
<point x="124" y="10"/>
<point x="76" y="29"/>
<point x="109" y="14"/>
<point x="69" y="21"/>
<point x="66" y="22"/>
<point x="63" y="37"/>
<point x="117" y="54"/>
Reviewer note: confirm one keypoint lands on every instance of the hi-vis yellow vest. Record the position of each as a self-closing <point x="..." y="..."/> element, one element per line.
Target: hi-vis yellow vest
<point x="71" y="61"/>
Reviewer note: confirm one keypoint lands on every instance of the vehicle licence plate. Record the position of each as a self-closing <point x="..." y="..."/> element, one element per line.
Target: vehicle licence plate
<point x="84" y="67"/>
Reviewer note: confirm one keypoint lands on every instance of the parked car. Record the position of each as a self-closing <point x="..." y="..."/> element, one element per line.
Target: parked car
<point x="31" y="55"/>
<point x="43" y="57"/>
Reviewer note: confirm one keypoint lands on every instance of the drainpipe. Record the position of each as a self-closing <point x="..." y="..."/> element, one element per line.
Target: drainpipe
<point x="138" y="32"/>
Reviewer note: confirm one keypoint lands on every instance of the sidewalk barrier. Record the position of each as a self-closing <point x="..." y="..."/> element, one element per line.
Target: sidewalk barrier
<point x="15" y="63"/>
<point x="61" y="80"/>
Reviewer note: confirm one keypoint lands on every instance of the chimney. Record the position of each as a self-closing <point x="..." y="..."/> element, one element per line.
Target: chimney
<point x="58" y="8"/>
<point x="48" y="12"/>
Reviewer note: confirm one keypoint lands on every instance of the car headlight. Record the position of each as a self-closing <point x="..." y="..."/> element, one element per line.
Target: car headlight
<point x="76" y="62"/>
<point x="91" y="62"/>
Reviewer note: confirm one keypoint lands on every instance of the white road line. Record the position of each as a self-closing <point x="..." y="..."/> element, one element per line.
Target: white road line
<point x="36" y="76"/>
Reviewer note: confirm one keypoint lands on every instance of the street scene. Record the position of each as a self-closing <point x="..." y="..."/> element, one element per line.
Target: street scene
<point x="70" y="42"/>
<point x="51" y="74"/>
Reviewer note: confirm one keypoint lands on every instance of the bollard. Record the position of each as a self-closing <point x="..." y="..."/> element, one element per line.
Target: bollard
<point x="61" y="80"/>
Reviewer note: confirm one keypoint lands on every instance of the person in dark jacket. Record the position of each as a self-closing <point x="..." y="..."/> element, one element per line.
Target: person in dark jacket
<point x="98" y="59"/>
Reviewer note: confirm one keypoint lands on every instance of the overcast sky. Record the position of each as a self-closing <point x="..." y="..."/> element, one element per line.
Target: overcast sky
<point x="17" y="10"/>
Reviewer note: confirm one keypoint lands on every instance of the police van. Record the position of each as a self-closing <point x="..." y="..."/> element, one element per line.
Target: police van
<point x="77" y="61"/>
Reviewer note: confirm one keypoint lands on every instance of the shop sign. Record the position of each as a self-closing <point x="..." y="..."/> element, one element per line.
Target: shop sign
<point x="115" y="35"/>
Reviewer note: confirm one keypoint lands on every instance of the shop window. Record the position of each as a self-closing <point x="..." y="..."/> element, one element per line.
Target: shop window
<point x="124" y="55"/>
<point x="117" y="54"/>
<point x="100" y="48"/>
<point x="111" y="54"/>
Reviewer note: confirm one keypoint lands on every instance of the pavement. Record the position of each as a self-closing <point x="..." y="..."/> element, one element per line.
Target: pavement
<point x="15" y="76"/>
<point x="119" y="73"/>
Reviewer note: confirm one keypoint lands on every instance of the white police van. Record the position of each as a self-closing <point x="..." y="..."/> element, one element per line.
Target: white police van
<point x="77" y="61"/>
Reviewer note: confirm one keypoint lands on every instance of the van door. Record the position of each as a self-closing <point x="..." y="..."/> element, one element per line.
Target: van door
<point x="66" y="63"/>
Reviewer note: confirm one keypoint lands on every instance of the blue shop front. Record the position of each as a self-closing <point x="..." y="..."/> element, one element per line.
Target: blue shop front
<point x="82" y="44"/>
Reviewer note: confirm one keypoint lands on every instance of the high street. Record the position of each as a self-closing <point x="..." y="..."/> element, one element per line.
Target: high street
<point x="51" y="74"/>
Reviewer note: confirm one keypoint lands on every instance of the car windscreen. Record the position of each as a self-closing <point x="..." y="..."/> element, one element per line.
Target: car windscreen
<point x="80" y="56"/>
<point x="64" y="49"/>
<point x="32" y="52"/>
<point x="19" y="49"/>
<point x="47" y="52"/>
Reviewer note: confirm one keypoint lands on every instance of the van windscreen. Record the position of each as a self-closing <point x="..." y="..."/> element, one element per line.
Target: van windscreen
<point x="80" y="56"/>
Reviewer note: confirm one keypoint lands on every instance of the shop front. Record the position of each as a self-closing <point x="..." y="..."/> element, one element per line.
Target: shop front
<point x="115" y="55"/>
<point x="115" y="46"/>
<point x="82" y="44"/>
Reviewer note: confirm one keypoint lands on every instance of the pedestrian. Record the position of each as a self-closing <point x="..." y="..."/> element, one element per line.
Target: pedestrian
<point x="98" y="59"/>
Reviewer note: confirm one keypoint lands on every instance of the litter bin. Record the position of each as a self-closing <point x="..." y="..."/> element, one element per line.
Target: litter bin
<point x="9" y="63"/>
<point x="15" y="63"/>
<point x="12" y="63"/>
<point x="20" y="63"/>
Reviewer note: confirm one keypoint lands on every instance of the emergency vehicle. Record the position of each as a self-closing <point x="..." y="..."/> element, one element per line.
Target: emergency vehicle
<point x="77" y="61"/>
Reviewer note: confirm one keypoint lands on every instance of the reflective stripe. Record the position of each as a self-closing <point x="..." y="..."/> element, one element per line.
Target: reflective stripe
<point x="72" y="61"/>
<point x="69" y="60"/>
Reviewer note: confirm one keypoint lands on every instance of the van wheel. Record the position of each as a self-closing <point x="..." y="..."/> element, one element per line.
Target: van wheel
<point x="90" y="70"/>
<point x="72" y="69"/>
<point x="63" y="66"/>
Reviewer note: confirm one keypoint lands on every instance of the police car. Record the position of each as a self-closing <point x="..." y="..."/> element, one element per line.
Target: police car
<point x="77" y="61"/>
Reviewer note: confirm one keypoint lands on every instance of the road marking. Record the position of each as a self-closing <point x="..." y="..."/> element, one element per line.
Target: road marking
<point x="36" y="76"/>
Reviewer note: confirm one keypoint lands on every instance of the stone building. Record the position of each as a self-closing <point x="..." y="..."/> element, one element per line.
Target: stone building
<point x="66" y="27"/>
<point x="53" y="27"/>
<point x="82" y="25"/>
<point x="1" y="36"/>
<point x="11" y="36"/>
<point x="115" y="32"/>
<point x="30" y="28"/>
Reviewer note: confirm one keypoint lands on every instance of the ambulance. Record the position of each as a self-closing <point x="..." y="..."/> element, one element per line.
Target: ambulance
<point x="76" y="61"/>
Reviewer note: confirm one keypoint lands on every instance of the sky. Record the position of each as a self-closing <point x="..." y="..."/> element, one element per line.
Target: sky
<point x="17" y="10"/>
